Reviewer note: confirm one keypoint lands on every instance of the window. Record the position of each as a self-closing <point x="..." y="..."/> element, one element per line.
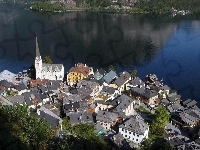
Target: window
<point x="125" y="131"/>
<point x="136" y="139"/>
<point x="133" y="139"/>
<point x="125" y="135"/>
<point x="137" y="135"/>
<point x="129" y="132"/>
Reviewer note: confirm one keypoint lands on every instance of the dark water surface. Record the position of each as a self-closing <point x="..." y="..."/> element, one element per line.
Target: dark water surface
<point x="168" y="47"/>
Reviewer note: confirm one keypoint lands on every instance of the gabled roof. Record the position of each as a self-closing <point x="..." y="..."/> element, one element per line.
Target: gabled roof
<point x="6" y="84"/>
<point x="30" y="97"/>
<point x="137" y="81"/>
<point x="135" y="124"/>
<point x="17" y="99"/>
<point x="109" y="76"/>
<point x="165" y="87"/>
<point x="20" y="87"/>
<point x="81" y="68"/>
<point x="125" y="101"/>
<point x="120" y="142"/>
<point x="54" y="122"/>
<point x="106" y="116"/>
<point x="108" y="90"/>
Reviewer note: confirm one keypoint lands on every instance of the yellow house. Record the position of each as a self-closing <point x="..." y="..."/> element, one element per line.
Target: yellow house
<point x="79" y="72"/>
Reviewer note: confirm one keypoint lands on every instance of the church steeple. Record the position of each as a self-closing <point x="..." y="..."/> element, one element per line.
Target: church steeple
<point x="37" y="49"/>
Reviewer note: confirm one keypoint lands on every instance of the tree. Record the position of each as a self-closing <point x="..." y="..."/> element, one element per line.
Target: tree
<point x="47" y="60"/>
<point x="111" y="68"/>
<point x="160" y="119"/>
<point x="133" y="74"/>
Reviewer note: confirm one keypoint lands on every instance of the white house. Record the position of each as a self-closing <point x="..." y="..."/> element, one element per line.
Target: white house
<point x="134" y="129"/>
<point x="47" y="71"/>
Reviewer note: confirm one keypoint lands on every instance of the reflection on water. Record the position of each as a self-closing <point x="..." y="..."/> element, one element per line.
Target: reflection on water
<point x="157" y="45"/>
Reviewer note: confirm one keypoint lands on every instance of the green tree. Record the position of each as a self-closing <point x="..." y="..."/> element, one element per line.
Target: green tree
<point x="47" y="60"/>
<point x="160" y="119"/>
<point x="133" y="74"/>
<point x="111" y="67"/>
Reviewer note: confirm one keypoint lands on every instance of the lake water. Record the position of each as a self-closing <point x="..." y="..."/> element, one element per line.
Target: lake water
<point x="168" y="47"/>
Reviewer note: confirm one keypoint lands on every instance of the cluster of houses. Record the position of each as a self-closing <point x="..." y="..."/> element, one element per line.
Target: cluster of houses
<point x="108" y="100"/>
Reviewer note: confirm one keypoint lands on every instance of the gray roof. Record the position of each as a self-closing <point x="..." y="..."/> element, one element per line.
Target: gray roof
<point x="191" y="104"/>
<point x="74" y="117"/>
<point x="119" y="81"/>
<point x="52" y="67"/>
<point x="120" y="142"/>
<point x="187" y="118"/>
<point x="71" y="98"/>
<point x="165" y="87"/>
<point x="29" y="95"/>
<point x="125" y="101"/>
<point x="123" y="78"/>
<point x="84" y="92"/>
<point x="106" y="116"/>
<point x="80" y="117"/>
<point x="86" y="117"/>
<point x="176" y="142"/>
<point x="6" y="84"/>
<point x="109" y="76"/>
<point x="186" y="101"/>
<point x="137" y="81"/>
<point x="144" y="92"/>
<point x="107" y="89"/>
<point x="54" y="122"/>
<point x="17" y="99"/>
<point x="91" y="83"/>
<point x="20" y="87"/>
<point x="135" y="124"/>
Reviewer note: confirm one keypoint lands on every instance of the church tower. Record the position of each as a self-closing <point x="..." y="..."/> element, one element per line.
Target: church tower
<point x="38" y="62"/>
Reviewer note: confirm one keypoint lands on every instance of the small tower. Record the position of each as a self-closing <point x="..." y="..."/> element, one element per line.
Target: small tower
<point x="38" y="62"/>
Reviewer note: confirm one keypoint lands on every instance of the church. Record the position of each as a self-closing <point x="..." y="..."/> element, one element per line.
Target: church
<point x="47" y="71"/>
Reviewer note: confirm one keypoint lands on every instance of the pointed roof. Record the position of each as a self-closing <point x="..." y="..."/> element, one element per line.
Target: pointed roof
<point x="37" y="49"/>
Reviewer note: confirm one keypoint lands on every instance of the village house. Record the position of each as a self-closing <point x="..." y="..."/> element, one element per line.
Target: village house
<point x="146" y="96"/>
<point x="109" y="77"/>
<point x="32" y="99"/>
<point x="79" y="72"/>
<point x="37" y="82"/>
<point x="125" y="105"/>
<point x="122" y="80"/>
<point x="18" y="99"/>
<point x="80" y="117"/>
<point x="20" y="88"/>
<point x="92" y="84"/>
<point x="136" y="82"/>
<point x="49" y="116"/>
<point x="134" y="129"/>
<point x="99" y="74"/>
<point x="120" y="142"/>
<point x="107" y="119"/>
<point x="187" y="118"/>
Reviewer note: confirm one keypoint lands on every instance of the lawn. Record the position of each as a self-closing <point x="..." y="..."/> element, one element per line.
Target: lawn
<point x="143" y="110"/>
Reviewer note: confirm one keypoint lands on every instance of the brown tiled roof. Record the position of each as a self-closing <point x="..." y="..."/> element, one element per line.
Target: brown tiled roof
<point x="81" y="68"/>
<point x="36" y="82"/>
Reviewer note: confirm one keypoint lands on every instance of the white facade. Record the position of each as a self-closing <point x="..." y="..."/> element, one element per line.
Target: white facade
<point x="130" y="135"/>
<point x="47" y="71"/>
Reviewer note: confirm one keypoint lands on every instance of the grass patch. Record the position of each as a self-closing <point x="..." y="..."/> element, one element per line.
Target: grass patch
<point x="143" y="110"/>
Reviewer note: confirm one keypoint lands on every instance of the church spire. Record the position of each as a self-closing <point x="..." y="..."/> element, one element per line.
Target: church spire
<point x="37" y="49"/>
